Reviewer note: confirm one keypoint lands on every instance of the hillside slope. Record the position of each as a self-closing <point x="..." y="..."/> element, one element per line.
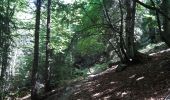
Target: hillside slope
<point x="146" y="81"/>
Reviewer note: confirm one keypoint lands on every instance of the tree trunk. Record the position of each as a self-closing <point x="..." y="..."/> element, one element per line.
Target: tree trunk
<point x="130" y="22"/>
<point x="166" y="23"/>
<point x="47" y="67"/>
<point x="36" y="51"/>
<point x="5" y="50"/>
<point x="122" y="43"/>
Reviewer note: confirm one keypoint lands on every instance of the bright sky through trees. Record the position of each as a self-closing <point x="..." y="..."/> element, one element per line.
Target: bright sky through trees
<point x="68" y="1"/>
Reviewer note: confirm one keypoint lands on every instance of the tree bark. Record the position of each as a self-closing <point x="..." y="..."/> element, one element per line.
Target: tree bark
<point x="166" y="23"/>
<point x="122" y="43"/>
<point x="5" y="50"/>
<point x="34" y="95"/>
<point x="47" y="67"/>
<point x="130" y="23"/>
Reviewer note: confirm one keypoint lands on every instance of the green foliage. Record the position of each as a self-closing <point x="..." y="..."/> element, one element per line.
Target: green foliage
<point x="80" y="72"/>
<point x="149" y="21"/>
<point x="150" y="48"/>
<point x="60" y="73"/>
<point x="89" y="45"/>
<point x="76" y="29"/>
<point x="23" y="75"/>
<point x="6" y="43"/>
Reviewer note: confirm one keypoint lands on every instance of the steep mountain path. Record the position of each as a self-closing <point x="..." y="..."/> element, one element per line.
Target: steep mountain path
<point x="149" y="80"/>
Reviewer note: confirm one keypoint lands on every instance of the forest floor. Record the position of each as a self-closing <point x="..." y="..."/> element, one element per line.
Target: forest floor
<point x="149" y="80"/>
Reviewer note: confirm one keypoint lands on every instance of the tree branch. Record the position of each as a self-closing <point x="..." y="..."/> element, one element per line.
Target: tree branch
<point x="153" y="8"/>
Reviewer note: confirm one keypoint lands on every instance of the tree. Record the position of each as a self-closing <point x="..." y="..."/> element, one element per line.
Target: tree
<point x="164" y="11"/>
<point x="116" y="39"/>
<point x="123" y="38"/>
<point x="166" y="22"/>
<point x="47" y="66"/>
<point x="6" y="41"/>
<point x="36" y="51"/>
<point x="122" y="43"/>
<point x="130" y="23"/>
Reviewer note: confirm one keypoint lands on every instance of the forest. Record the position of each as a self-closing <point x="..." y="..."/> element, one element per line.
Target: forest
<point x="84" y="49"/>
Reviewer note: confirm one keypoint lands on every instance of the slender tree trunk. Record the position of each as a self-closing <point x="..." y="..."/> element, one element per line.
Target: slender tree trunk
<point x="166" y="23"/>
<point x="130" y="23"/>
<point x="122" y="43"/>
<point x="47" y="67"/>
<point x="108" y="20"/>
<point x="157" y="17"/>
<point x="36" y="51"/>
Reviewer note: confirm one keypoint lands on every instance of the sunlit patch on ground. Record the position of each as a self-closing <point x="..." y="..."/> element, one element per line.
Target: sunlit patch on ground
<point x="112" y="82"/>
<point x="133" y="76"/>
<point x="140" y="78"/>
<point x="107" y="97"/>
